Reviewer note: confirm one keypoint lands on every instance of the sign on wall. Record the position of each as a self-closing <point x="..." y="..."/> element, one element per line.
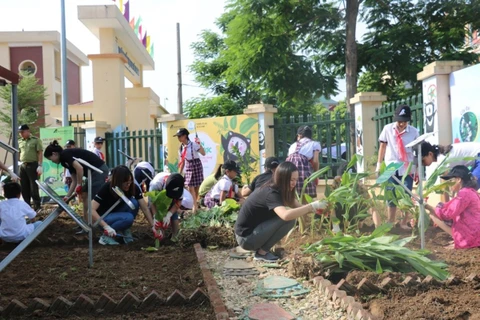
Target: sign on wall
<point x="52" y="172"/>
<point x="465" y="105"/>
<point x="218" y="136"/>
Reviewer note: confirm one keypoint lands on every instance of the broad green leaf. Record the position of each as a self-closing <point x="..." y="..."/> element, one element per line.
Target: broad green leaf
<point x="233" y="123"/>
<point x="247" y="124"/>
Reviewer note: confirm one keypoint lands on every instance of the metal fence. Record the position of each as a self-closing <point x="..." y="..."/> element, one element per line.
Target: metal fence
<point x="384" y="115"/>
<point x="78" y="131"/>
<point x="144" y="144"/>
<point x="333" y="133"/>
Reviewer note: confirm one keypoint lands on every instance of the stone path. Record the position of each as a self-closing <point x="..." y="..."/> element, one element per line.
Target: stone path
<point x="238" y="292"/>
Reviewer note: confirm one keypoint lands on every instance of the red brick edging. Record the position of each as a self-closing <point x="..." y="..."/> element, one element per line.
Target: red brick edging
<point x="213" y="291"/>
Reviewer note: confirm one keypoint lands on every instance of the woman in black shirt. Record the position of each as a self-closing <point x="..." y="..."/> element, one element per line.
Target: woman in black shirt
<point x="55" y="153"/>
<point x="269" y="213"/>
<point x="117" y="223"/>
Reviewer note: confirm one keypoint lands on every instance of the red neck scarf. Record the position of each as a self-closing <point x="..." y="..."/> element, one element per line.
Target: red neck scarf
<point x="401" y="146"/>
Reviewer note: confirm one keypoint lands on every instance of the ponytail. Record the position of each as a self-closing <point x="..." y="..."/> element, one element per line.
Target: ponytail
<point x="51" y="148"/>
<point x="444" y="149"/>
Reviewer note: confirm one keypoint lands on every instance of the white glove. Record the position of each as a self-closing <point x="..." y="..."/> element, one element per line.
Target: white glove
<point x="318" y="206"/>
<point x="109" y="231"/>
<point x="377" y="170"/>
<point x="13" y="176"/>
<point x="167" y="220"/>
<point x="39" y="170"/>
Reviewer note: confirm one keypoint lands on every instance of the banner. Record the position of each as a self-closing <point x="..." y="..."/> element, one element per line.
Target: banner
<point x="52" y="172"/>
<point x="220" y="137"/>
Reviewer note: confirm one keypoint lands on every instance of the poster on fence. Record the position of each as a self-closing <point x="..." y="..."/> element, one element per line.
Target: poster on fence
<point x="465" y="106"/>
<point x="221" y="138"/>
<point x="52" y="172"/>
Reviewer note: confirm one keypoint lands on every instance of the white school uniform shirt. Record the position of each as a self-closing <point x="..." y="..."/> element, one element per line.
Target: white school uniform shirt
<point x="462" y="150"/>
<point x="392" y="153"/>
<point x="307" y="149"/>
<point x="158" y="182"/>
<point x="224" y="184"/>
<point x="192" y="151"/>
<point x="13" y="227"/>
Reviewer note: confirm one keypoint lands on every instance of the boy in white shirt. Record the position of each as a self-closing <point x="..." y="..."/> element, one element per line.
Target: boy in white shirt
<point x="13" y="226"/>
<point x="225" y="188"/>
<point x="393" y="139"/>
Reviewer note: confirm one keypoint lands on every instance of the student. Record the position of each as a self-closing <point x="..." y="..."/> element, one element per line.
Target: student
<point x="182" y="199"/>
<point x="65" y="157"/>
<point x="97" y="147"/>
<point x="393" y="139"/>
<point x="13" y="227"/>
<point x="269" y="213"/>
<point x="208" y="184"/>
<point x="304" y="155"/>
<point x="271" y="164"/>
<point x="67" y="177"/>
<point x="190" y="161"/>
<point x="30" y="148"/>
<point x="225" y="188"/>
<point x="120" y="219"/>
<point x="143" y="174"/>
<point x="456" y="152"/>
<point x="463" y="210"/>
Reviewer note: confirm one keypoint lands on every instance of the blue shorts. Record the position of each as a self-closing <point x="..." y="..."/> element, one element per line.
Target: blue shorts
<point x="408" y="183"/>
<point x="174" y="216"/>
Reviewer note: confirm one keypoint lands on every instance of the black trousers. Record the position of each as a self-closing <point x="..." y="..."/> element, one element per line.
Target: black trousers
<point x="28" y="175"/>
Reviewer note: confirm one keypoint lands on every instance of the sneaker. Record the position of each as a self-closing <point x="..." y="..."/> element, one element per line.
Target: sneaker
<point x="81" y="231"/>
<point x="107" y="241"/>
<point x="268" y="257"/>
<point x="127" y="236"/>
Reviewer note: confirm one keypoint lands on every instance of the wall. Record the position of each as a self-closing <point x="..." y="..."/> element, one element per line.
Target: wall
<point x="73" y="76"/>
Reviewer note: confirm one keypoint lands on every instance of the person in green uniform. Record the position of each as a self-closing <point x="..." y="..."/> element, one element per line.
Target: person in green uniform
<point x="31" y="157"/>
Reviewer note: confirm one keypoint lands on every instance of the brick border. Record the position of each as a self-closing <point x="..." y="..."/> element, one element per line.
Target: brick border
<point x="214" y="293"/>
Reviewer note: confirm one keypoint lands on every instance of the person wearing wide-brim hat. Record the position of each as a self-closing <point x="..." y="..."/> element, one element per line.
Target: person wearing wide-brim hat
<point x="463" y="211"/>
<point x="189" y="155"/>
<point x="271" y="164"/>
<point x="304" y="154"/>
<point x="393" y="139"/>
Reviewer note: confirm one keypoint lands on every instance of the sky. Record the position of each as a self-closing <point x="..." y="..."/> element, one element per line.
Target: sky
<point x="159" y="19"/>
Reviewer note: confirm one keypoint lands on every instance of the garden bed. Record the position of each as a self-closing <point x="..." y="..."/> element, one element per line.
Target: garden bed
<point x="52" y="278"/>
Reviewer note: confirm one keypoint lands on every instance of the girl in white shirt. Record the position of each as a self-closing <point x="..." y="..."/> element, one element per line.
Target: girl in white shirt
<point x="225" y="187"/>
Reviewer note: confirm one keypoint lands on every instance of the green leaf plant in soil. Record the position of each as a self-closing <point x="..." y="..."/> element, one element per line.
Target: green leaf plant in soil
<point x="161" y="202"/>
<point x="218" y="216"/>
<point x="245" y="163"/>
<point x="377" y="252"/>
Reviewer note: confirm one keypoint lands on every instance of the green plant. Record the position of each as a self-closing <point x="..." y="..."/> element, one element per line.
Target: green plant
<point x="377" y="252"/>
<point x="218" y="216"/>
<point x="245" y="163"/>
<point x="161" y="202"/>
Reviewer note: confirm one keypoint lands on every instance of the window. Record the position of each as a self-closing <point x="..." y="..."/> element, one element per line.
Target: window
<point x="28" y="66"/>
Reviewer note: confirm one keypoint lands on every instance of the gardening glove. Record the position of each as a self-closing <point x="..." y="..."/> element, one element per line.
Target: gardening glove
<point x="78" y="189"/>
<point x="167" y="220"/>
<point x="109" y="231"/>
<point x="377" y="170"/>
<point x="14" y="177"/>
<point x="158" y="234"/>
<point x="157" y="224"/>
<point x="39" y="170"/>
<point x="319" y="206"/>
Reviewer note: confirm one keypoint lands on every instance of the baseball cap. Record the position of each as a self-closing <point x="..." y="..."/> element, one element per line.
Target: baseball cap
<point x="98" y="140"/>
<point x="181" y="132"/>
<point x="271" y="163"/>
<point x="69" y="143"/>
<point x="174" y="186"/>
<point x="23" y="127"/>
<point x="403" y="113"/>
<point x="458" y="172"/>
<point x="231" y="165"/>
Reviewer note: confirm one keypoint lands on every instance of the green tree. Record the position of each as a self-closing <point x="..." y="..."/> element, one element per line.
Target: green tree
<point x="220" y="106"/>
<point x="31" y="97"/>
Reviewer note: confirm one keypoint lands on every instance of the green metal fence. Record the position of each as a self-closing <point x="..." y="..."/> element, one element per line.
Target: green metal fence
<point x="384" y="115"/>
<point x="333" y="133"/>
<point x="144" y="144"/>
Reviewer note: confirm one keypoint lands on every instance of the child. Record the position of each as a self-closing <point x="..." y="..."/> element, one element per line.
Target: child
<point x="463" y="209"/>
<point x="208" y="184"/>
<point x="393" y="139"/>
<point x="143" y="174"/>
<point x="190" y="160"/>
<point x="225" y="187"/>
<point x="13" y="227"/>
<point x="97" y="147"/>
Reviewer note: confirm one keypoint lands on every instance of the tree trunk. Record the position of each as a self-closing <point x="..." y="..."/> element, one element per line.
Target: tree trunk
<point x="351" y="62"/>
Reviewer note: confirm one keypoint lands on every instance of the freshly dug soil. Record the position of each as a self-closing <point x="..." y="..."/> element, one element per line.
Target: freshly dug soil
<point x="47" y="271"/>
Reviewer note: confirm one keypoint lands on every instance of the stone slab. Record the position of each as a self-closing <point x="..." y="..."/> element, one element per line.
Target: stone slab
<point x="278" y="282"/>
<point x="240" y="272"/>
<point x="268" y="311"/>
<point x="238" y="264"/>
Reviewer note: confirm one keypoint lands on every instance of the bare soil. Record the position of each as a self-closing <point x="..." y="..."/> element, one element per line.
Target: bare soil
<point x="47" y="271"/>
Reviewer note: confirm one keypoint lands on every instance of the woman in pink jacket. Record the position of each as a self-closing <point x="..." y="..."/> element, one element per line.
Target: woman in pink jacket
<point x="463" y="210"/>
